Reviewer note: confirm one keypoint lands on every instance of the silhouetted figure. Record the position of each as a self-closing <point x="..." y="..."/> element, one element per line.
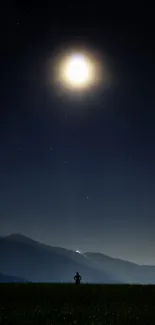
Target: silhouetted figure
<point x="77" y="278"/>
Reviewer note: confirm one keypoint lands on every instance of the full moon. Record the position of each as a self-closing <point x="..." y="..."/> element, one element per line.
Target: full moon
<point x="77" y="70"/>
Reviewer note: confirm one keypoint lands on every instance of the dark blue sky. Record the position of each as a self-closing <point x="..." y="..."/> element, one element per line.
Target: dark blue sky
<point x="78" y="173"/>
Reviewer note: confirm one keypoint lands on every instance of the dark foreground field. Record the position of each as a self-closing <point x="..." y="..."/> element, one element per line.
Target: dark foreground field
<point x="71" y="304"/>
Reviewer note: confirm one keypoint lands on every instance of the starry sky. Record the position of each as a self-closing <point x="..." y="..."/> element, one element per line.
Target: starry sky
<point x="78" y="172"/>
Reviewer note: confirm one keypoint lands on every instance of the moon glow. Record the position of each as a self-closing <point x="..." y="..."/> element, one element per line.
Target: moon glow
<point x="77" y="73"/>
<point x="77" y="70"/>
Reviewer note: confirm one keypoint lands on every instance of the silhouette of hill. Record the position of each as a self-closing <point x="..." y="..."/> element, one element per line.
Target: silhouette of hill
<point x="126" y="272"/>
<point x="10" y="279"/>
<point x="23" y="257"/>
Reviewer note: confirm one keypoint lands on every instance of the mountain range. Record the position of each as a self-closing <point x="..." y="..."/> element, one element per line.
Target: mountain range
<point x="24" y="258"/>
<point x="5" y="278"/>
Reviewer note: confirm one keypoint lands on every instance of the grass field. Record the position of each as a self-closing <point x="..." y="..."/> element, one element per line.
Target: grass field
<point x="71" y="304"/>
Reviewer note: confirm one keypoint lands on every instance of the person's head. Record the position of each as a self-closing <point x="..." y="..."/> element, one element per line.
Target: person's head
<point x="77" y="273"/>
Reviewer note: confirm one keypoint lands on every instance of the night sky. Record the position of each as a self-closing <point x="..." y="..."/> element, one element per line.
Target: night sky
<point x="78" y="171"/>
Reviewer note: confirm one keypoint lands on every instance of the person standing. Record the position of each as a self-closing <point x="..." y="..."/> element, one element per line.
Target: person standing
<point x="77" y="278"/>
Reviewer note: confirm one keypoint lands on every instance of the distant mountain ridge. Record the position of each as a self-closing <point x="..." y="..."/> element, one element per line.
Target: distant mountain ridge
<point x="5" y="278"/>
<point x="25" y="258"/>
<point x="126" y="271"/>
